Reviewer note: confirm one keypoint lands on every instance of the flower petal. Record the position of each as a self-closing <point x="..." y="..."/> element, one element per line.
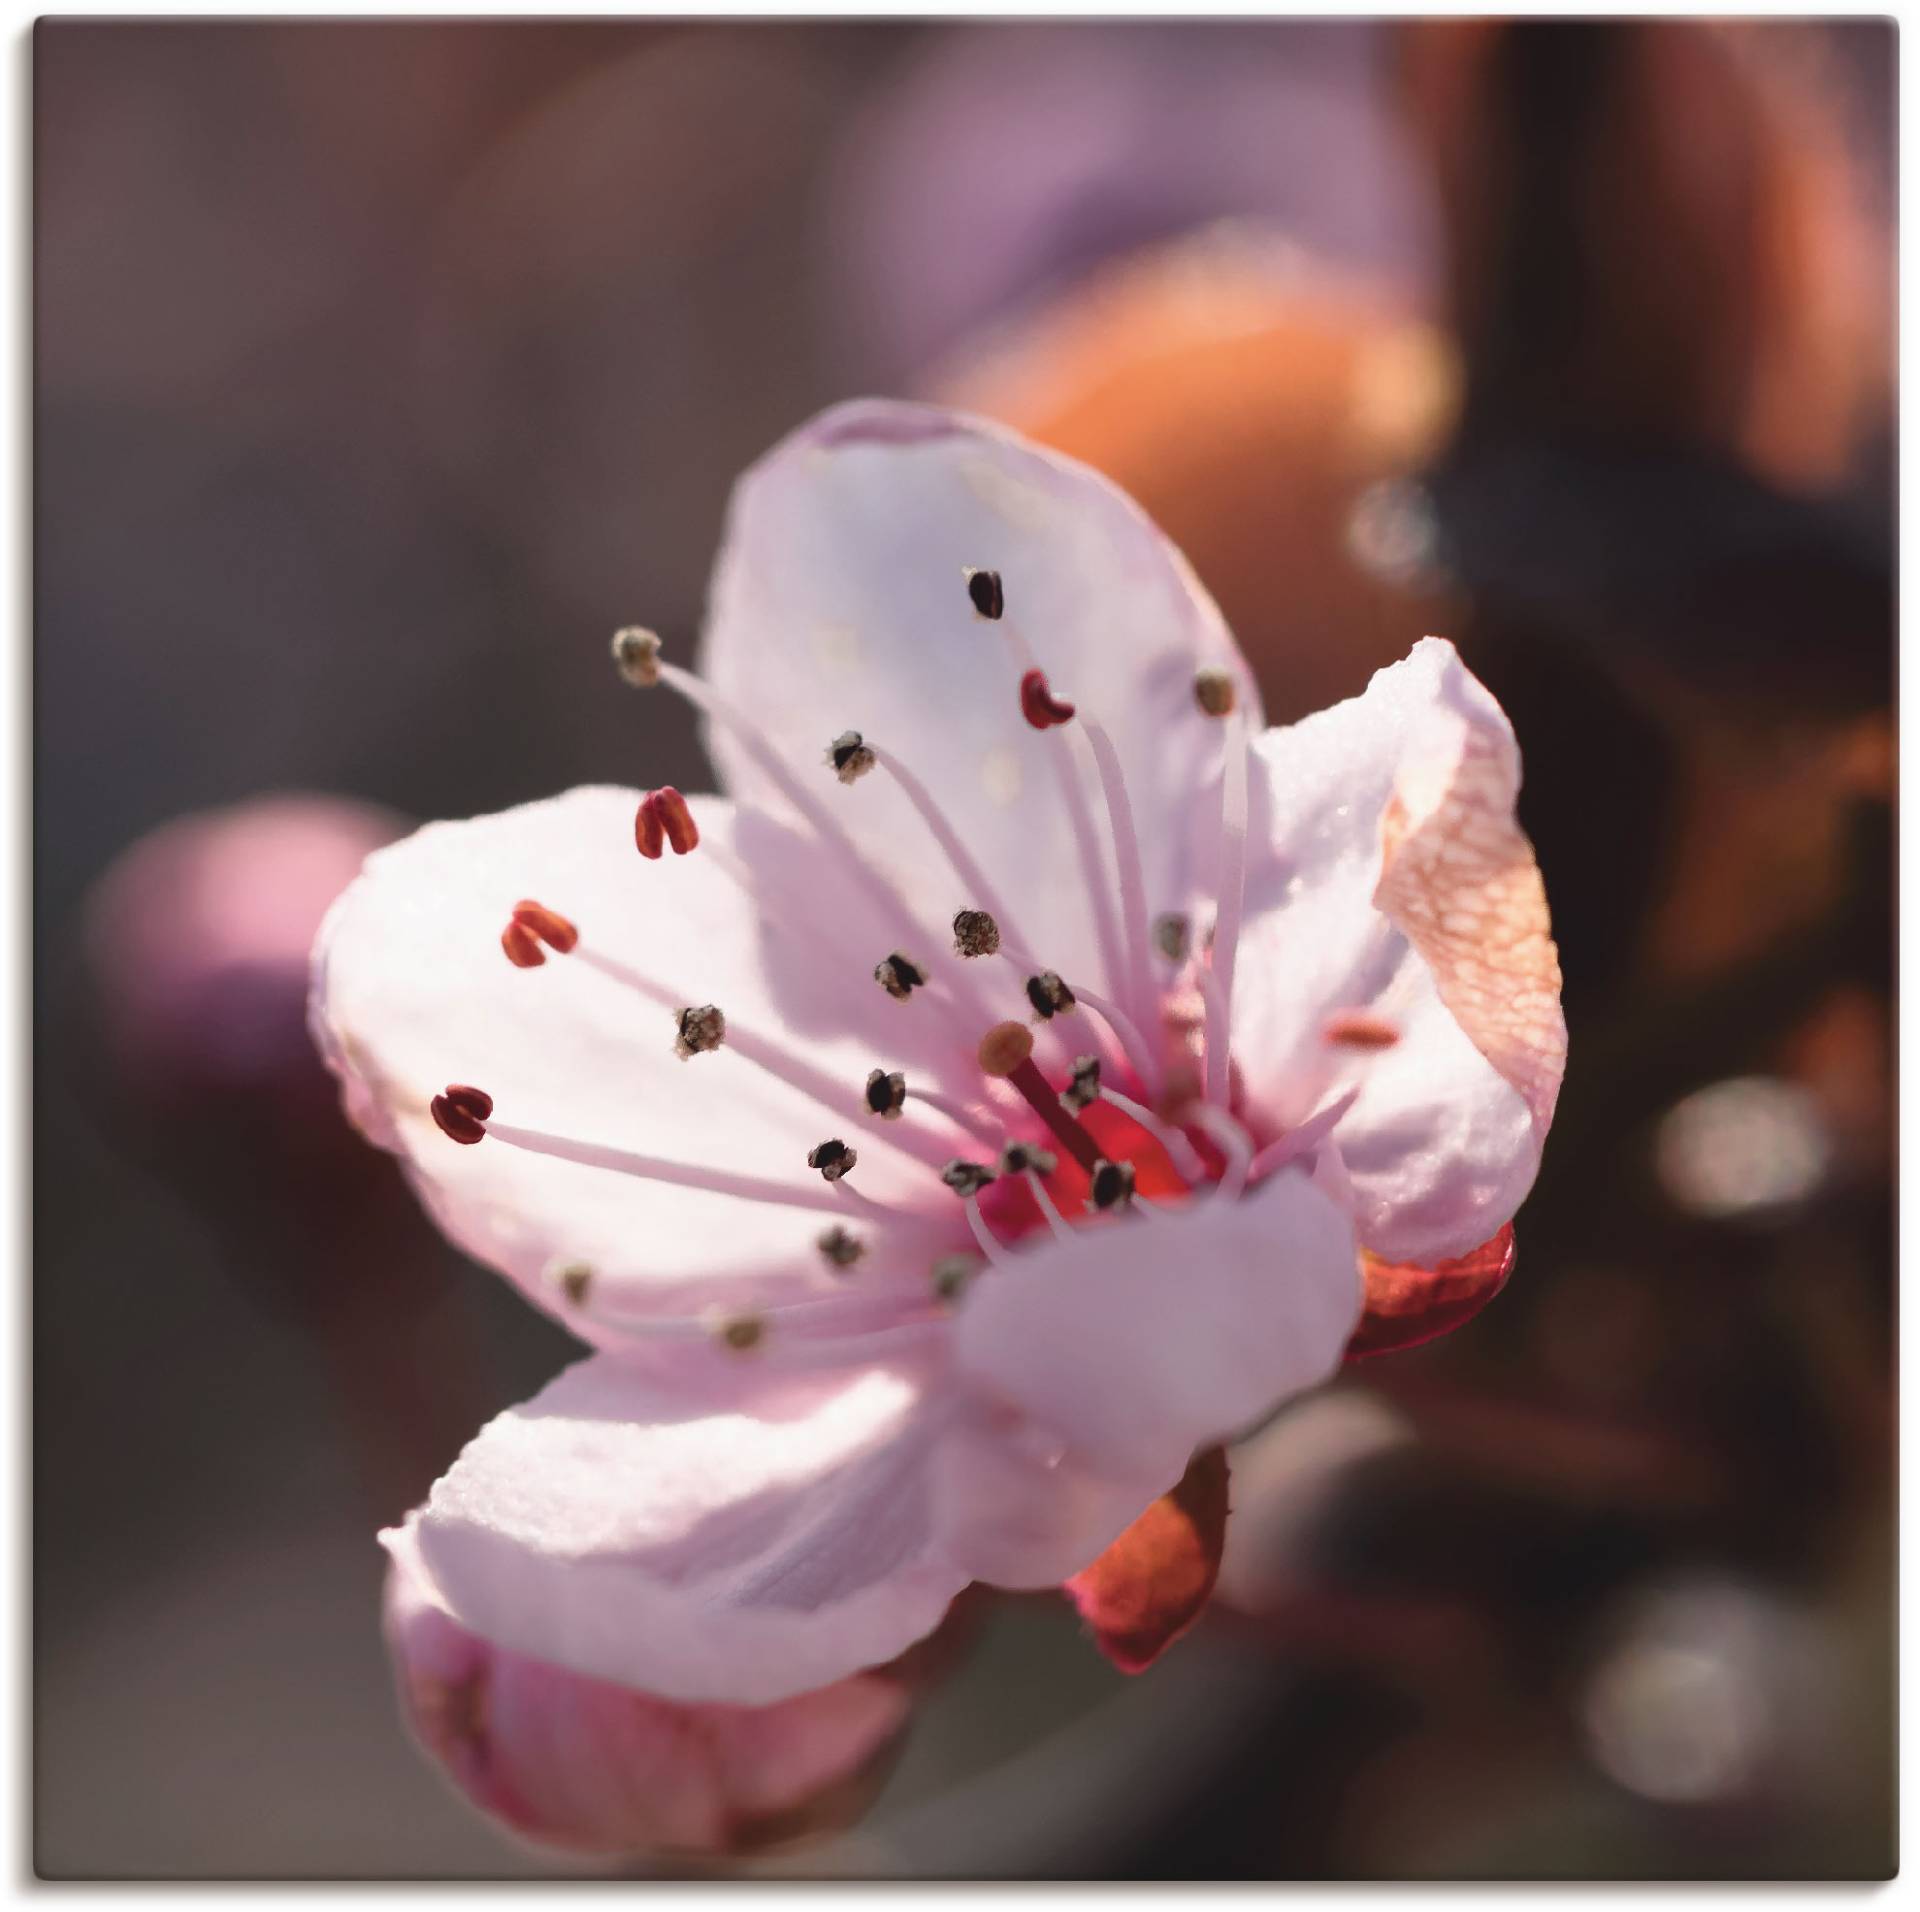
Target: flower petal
<point x="587" y="1765"/>
<point x="726" y="1533"/>
<point x="1396" y="943"/>
<point x="1153" y="1582"/>
<point x="840" y="602"/>
<point x="1136" y="1342"/>
<point x="411" y="991"/>
<point x="1407" y="1305"/>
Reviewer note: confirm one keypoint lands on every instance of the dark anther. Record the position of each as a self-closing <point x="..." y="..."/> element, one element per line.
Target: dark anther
<point x="1214" y="691"/>
<point x="850" y="756"/>
<point x="1112" y="1184"/>
<point x="700" y="1030"/>
<point x="1171" y="935"/>
<point x="833" y="1159"/>
<point x="975" y="933"/>
<point x="1018" y="1157"/>
<point x="1039" y="706"/>
<point x="886" y="1093"/>
<point x="1084" y="1088"/>
<point x="966" y="1178"/>
<point x="899" y="976"/>
<point x="1049" y="995"/>
<point x="989" y="600"/>
<point x="462" y="1112"/>
<point x="840" y="1246"/>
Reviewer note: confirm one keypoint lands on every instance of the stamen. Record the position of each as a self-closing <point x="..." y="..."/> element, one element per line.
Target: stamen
<point x="1172" y="934"/>
<point x="575" y="1281"/>
<point x="1226" y="924"/>
<point x="1112" y="1185"/>
<point x="966" y="1178"/>
<point x="654" y="1168"/>
<point x="636" y="655"/>
<point x="886" y="1094"/>
<point x="1215" y="691"/>
<point x="462" y="1112"/>
<point x="1085" y="1085"/>
<point x="1184" y="1156"/>
<point x="832" y="1158"/>
<point x="1126" y="861"/>
<point x="701" y="1030"/>
<point x="1303" y="1138"/>
<point x="849" y="757"/>
<point x="841" y="1246"/>
<point x="975" y="933"/>
<point x="983" y="587"/>
<point x="1356" y="1029"/>
<point x="951" y="1274"/>
<point x="1233" y="1142"/>
<point x="1038" y="705"/>
<point x="664" y="818"/>
<point x="1021" y="1158"/>
<point x="1007" y="1051"/>
<point x="1049" y="995"/>
<point x="899" y="975"/>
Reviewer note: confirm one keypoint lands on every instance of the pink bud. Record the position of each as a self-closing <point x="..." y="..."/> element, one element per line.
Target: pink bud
<point x="575" y="1762"/>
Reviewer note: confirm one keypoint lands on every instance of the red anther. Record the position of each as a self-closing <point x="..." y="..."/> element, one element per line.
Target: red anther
<point x="1355" y="1029"/>
<point x="664" y="819"/>
<point x="550" y="926"/>
<point x="522" y="946"/>
<point x="682" y="832"/>
<point x="649" y="831"/>
<point x="1038" y="705"/>
<point x="462" y="1112"/>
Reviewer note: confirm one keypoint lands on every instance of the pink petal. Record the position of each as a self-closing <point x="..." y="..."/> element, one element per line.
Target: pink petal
<point x="840" y="602"/>
<point x="587" y="1765"/>
<point x="411" y="992"/>
<point x="725" y="1534"/>
<point x="1139" y="1341"/>
<point x="1151" y="1585"/>
<point x="1394" y="896"/>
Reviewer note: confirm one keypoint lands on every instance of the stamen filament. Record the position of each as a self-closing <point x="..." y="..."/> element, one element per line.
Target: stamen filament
<point x="655" y="1168"/>
<point x="1184" y="1156"/>
<point x="990" y="1244"/>
<point x="1234" y="1144"/>
<point x="1126" y="859"/>
<point x="1055" y="1220"/>
<point x="981" y="1127"/>
<point x="1226" y="922"/>
<point x="1304" y="1137"/>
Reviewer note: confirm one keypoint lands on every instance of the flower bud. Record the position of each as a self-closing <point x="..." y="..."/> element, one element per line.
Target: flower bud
<point x="601" y="1769"/>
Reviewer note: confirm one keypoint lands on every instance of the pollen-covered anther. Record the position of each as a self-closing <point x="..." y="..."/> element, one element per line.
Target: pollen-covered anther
<point x="664" y="821"/>
<point x="1215" y="691"/>
<point x="1039" y="706"/>
<point x="1017" y="1158"/>
<point x="741" y="1333"/>
<point x="636" y="655"/>
<point x="1004" y="1048"/>
<point x="699" y="1030"/>
<point x="966" y="1178"/>
<point x="850" y="756"/>
<point x="832" y="1158"/>
<point x="547" y="926"/>
<point x="1049" y="995"/>
<point x="984" y="591"/>
<point x="1112" y="1185"/>
<point x="951" y="1274"/>
<point x="886" y="1094"/>
<point x="975" y="933"/>
<point x="1172" y="936"/>
<point x="461" y="1112"/>
<point x="840" y="1247"/>
<point x="899" y="975"/>
<point x="522" y="946"/>
<point x="1356" y="1029"/>
<point x="1083" y="1089"/>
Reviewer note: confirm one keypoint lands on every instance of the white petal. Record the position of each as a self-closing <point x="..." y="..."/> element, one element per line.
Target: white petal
<point x="1389" y="877"/>
<point x="840" y="602"/>
<point x="724" y="1534"/>
<point x="1138" y="1341"/>
<point x="412" y="992"/>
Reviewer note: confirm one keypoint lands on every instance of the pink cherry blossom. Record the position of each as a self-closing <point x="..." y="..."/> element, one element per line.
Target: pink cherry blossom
<point x="599" y="1769"/>
<point x="977" y="1111"/>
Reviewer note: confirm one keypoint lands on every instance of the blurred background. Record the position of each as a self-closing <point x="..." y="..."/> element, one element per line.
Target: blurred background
<point x="382" y="369"/>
